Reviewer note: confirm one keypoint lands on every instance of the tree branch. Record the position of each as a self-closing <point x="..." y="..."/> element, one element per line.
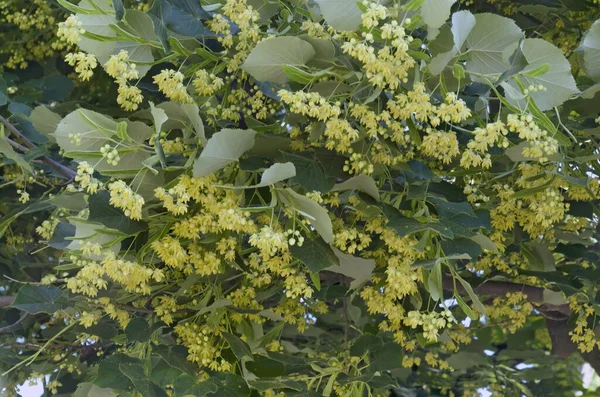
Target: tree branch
<point x="6" y="301"/>
<point x="66" y="171"/>
<point x="14" y="326"/>
<point x="501" y="288"/>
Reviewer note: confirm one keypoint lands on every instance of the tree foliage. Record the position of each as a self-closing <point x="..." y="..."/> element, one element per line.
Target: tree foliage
<point x="299" y="198"/>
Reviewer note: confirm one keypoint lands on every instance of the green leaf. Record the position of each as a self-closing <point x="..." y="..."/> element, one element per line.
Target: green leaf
<point x="141" y="382"/>
<point x="239" y="347"/>
<point x="219" y="384"/>
<point x="386" y="358"/>
<point x="358" y="269"/>
<point x="276" y="365"/>
<point x="364" y="344"/>
<point x="462" y="24"/>
<point x="485" y="242"/>
<point x="447" y="209"/>
<point x="93" y="232"/>
<point x="40" y="299"/>
<point x="465" y="360"/>
<point x="315" y="214"/>
<point x="297" y="74"/>
<point x="362" y="182"/>
<point x="537" y="72"/>
<point x="109" y="374"/>
<point x="485" y="44"/>
<point x="554" y="297"/>
<point x="3" y="92"/>
<point x="96" y="130"/>
<point x="413" y="5"/>
<point x="265" y="384"/>
<point x="435" y="13"/>
<point x="87" y="389"/>
<point x="142" y="34"/>
<point x="223" y="148"/>
<point x="590" y="46"/>
<point x="309" y="172"/>
<point x="138" y="330"/>
<point x="434" y="282"/>
<point x="474" y="298"/>
<point x="8" y="152"/>
<point x="276" y="173"/>
<point x="324" y="52"/>
<point x="465" y="308"/>
<point x="539" y="256"/>
<point x="119" y="9"/>
<point x="56" y="87"/>
<point x="315" y="254"/>
<point x="184" y="17"/>
<point x="185" y="117"/>
<point x="265" y="61"/>
<point x="113" y="218"/>
<point x="405" y="226"/>
<point x="340" y="14"/>
<point x="430" y="263"/>
<point x="175" y="356"/>
<point x="558" y="81"/>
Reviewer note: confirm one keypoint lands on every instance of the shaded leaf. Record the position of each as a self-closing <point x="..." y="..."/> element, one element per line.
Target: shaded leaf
<point x="309" y="173"/>
<point x="138" y="330"/>
<point x="358" y="269"/>
<point x="137" y="376"/>
<point x="361" y="182"/>
<point x="316" y="254"/>
<point x="239" y="347"/>
<point x="40" y="299"/>
<point x="113" y="218"/>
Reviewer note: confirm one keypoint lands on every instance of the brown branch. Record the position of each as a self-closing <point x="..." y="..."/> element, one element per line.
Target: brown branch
<point x="501" y="288"/>
<point x="6" y="301"/>
<point x="66" y="171"/>
<point x="556" y="316"/>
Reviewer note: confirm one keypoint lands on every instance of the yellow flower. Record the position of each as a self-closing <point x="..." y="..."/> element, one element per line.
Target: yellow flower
<point x="70" y="30"/>
<point x="84" y="64"/>
<point x="121" y="196"/>
<point x="170" y="83"/>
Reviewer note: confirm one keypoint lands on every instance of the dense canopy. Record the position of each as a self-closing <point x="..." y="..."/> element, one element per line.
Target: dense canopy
<point x="244" y="198"/>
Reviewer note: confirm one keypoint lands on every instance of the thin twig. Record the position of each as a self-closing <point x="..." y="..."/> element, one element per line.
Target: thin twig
<point x="14" y="326"/>
<point x="17" y="145"/>
<point x="16" y="132"/>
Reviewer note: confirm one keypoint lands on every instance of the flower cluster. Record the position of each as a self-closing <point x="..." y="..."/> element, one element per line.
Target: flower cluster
<point x="206" y="84"/>
<point x="85" y="178"/>
<point x="83" y="63"/>
<point x="122" y="70"/>
<point x="541" y="145"/>
<point x="170" y="83"/>
<point x="121" y="196"/>
<point x="70" y="30"/>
